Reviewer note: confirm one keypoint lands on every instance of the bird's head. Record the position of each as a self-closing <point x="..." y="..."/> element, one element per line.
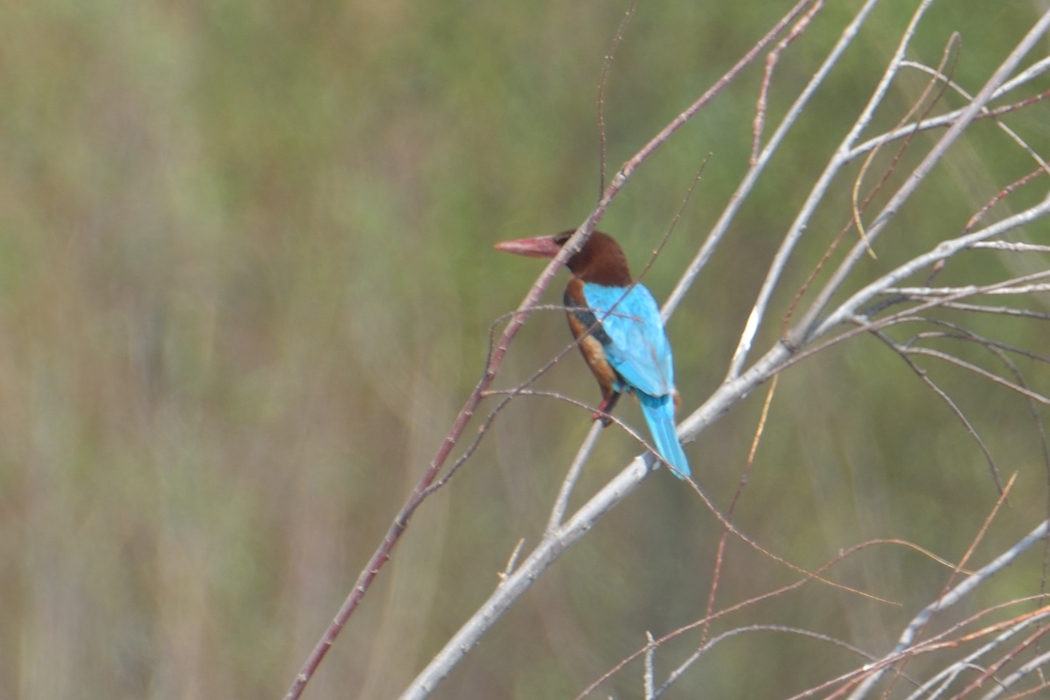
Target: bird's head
<point x="600" y="261"/>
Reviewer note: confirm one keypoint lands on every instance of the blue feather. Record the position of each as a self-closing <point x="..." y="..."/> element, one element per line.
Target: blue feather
<point x="659" y="414"/>
<point x="638" y="350"/>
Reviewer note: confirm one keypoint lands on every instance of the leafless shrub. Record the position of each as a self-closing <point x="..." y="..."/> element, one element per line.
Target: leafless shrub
<point x="999" y="645"/>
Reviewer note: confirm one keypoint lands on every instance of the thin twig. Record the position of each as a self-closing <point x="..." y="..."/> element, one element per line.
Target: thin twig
<point x="969" y="290"/>
<point x="943" y="250"/>
<point x="998" y="348"/>
<point x="941" y="121"/>
<point x="741" y="483"/>
<point x="601" y="92"/>
<point x="1003" y="494"/>
<point x="951" y="598"/>
<point x="562" y="501"/>
<point x="967" y="425"/>
<point x="999" y="196"/>
<point x="996" y="310"/>
<point x="947" y="675"/>
<point x="767" y="78"/>
<point x="842" y="555"/>
<point x="809" y="322"/>
<point x="677" y="673"/>
<point x="747" y="184"/>
<point x="1034" y="395"/>
<point x="857" y="207"/>
<point x="986" y="112"/>
<point x="938" y="642"/>
<point x="838" y="160"/>
<point x="995" y="667"/>
<point x="1030" y="667"/>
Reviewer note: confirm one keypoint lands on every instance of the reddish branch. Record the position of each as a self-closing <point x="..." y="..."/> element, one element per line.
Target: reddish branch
<point x="419" y="493"/>
<point x="732" y="506"/>
<point x="1000" y="196"/>
<point x="771" y="61"/>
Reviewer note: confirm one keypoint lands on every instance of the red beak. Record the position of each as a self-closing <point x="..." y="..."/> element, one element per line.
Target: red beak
<point x="542" y="247"/>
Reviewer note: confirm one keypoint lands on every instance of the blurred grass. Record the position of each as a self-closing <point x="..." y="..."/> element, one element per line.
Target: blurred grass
<point x="246" y="279"/>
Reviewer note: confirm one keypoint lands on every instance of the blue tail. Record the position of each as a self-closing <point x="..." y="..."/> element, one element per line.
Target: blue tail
<point x="659" y="414"/>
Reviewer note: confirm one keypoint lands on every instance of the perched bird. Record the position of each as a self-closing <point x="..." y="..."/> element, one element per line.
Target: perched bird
<point x="621" y="335"/>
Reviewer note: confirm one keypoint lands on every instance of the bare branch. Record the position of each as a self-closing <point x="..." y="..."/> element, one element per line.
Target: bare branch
<point x="945" y="677"/>
<point x="986" y="112"/>
<point x="948" y="600"/>
<point x="747" y="184"/>
<point x="1001" y="195"/>
<point x="771" y="61"/>
<point x="969" y="290"/>
<point x="1013" y="247"/>
<point x="732" y="504"/>
<point x="647" y="680"/>
<point x="921" y="373"/>
<point x="562" y="501"/>
<point x="601" y="92"/>
<point x="981" y="372"/>
<point x="512" y="560"/>
<point x="943" y="250"/>
<point x="941" y="121"/>
<point x="676" y="674"/>
<point x="953" y="41"/>
<point x="809" y="323"/>
<point x="1026" y="669"/>
<point x="838" y="160"/>
<point x="842" y="555"/>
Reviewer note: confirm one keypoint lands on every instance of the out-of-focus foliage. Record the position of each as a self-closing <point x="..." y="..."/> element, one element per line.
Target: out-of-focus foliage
<point x="246" y="279"/>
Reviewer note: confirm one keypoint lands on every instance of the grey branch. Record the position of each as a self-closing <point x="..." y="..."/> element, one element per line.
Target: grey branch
<point x="805" y="327"/>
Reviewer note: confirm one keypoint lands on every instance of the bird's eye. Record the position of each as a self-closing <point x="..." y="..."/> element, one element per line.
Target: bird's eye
<point x="563" y="237"/>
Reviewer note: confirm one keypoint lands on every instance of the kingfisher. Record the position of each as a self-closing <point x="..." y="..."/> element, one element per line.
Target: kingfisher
<point x="617" y="324"/>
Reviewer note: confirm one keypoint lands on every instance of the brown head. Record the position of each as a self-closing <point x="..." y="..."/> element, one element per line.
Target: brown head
<point x="600" y="261"/>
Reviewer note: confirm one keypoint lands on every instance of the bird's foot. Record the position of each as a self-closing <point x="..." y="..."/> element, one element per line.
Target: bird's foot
<point x="604" y="408"/>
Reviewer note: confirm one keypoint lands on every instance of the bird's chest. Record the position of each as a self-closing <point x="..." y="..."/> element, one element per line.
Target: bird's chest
<point x="593" y="339"/>
<point x="582" y="320"/>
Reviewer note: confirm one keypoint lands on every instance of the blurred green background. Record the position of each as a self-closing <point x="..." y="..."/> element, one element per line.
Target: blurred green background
<point x="246" y="280"/>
